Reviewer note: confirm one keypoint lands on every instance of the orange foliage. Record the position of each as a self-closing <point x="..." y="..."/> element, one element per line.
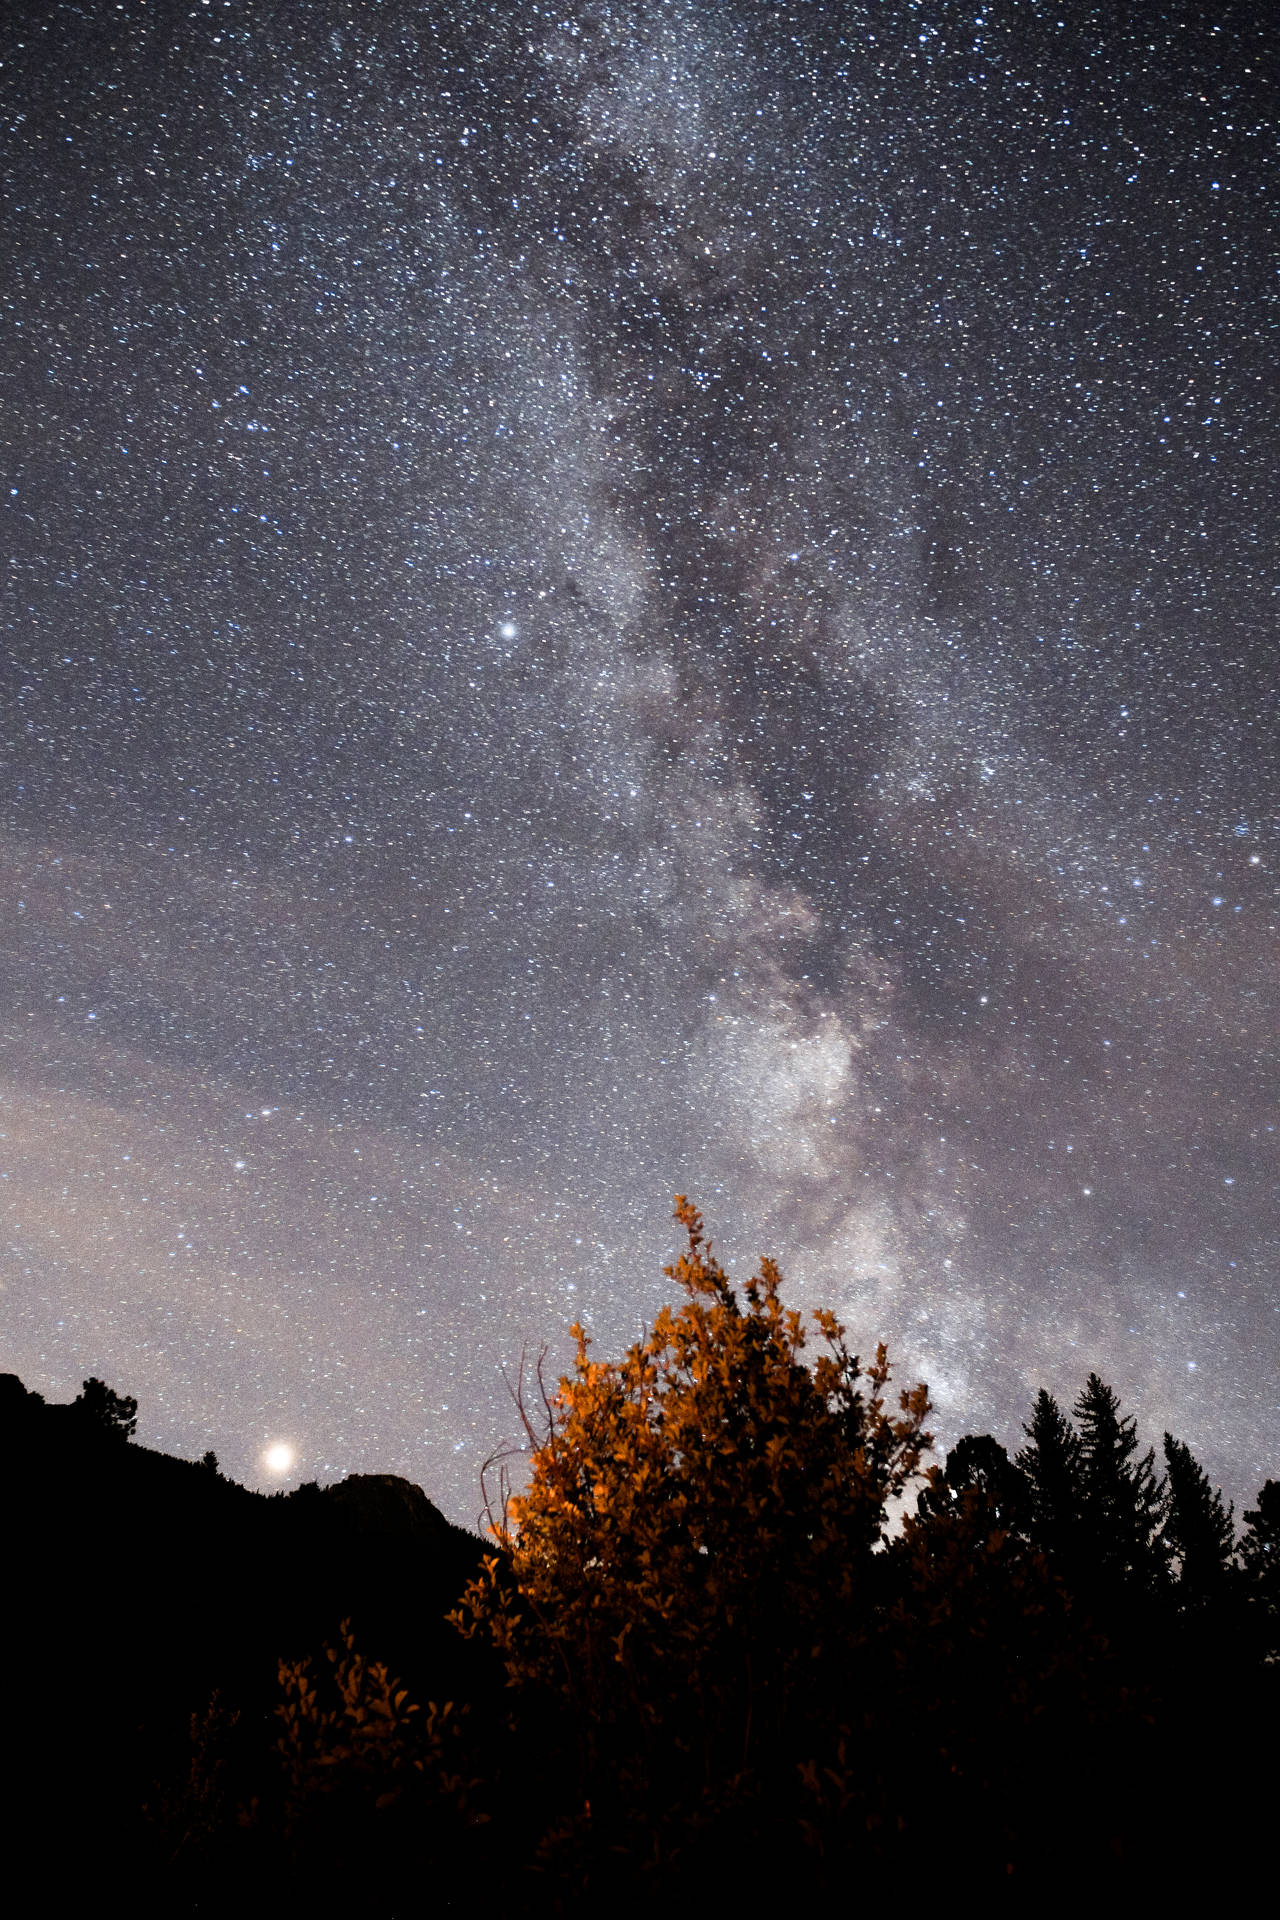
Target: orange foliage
<point x="700" y="1521"/>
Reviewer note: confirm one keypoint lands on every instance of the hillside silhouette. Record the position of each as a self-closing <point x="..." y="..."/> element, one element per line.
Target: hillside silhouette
<point x="694" y="1663"/>
<point x="140" y="1587"/>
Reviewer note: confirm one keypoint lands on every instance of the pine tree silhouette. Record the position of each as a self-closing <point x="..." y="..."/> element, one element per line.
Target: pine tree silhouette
<point x="1198" y="1529"/>
<point x="1051" y="1466"/>
<point x="1124" y="1499"/>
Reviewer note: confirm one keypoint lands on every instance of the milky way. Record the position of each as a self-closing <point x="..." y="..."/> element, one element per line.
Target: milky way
<point x="611" y="600"/>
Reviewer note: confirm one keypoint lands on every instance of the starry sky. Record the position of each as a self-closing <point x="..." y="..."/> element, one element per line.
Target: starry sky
<point x="613" y="599"/>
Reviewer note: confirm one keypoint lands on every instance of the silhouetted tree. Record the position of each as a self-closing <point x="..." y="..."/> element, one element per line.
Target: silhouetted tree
<point x="1123" y="1499"/>
<point x="1051" y="1466"/>
<point x="1260" y="1541"/>
<point x="1260" y="1559"/>
<point x="1006" y="1681"/>
<point x="1198" y="1529"/>
<point x="979" y="1462"/>
<point x="106" y="1411"/>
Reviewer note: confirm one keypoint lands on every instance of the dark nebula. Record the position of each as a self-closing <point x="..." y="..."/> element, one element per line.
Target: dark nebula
<point x="620" y="599"/>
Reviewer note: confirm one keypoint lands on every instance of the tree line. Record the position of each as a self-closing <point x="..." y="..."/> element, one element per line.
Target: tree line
<point x="730" y="1637"/>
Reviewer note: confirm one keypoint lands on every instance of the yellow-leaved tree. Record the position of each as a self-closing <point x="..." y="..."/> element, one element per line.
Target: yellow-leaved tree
<point x="687" y="1569"/>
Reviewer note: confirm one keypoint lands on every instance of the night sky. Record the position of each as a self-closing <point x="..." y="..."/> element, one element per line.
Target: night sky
<point x="611" y="600"/>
